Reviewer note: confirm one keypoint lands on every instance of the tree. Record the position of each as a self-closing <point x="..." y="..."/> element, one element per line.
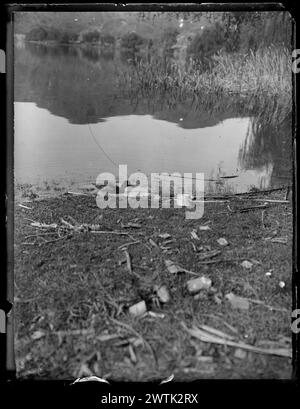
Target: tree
<point x="132" y="41"/>
<point x="37" y="34"/>
<point x="108" y="39"/>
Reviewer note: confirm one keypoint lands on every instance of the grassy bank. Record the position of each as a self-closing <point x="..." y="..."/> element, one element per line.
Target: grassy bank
<point x="266" y="71"/>
<point x="73" y="290"/>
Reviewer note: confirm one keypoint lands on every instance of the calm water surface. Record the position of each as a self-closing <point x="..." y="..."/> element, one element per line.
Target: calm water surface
<point x="72" y="122"/>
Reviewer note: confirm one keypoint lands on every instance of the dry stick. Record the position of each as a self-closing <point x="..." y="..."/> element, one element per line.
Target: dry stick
<point x="31" y="220"/>
<point x="129" y="264"/>
<point x="128" y="261"/>
<point x="272" y="201"/>
<point x="121" y="233"/>
<point x="221" y="260"/>
<point x="39" y="234"/>
<point x="209" y="201"/>
<point x="67" y="223"/>
<point x="189" y="272"/>
<point x="247" y="209"/>
<point x="259" y="302"/>
<point x="129" y="328"/>
<point x="262" y="219"/>
<point x="77" y="194"/>
<point x="128" y="244"/>
<point x="217" y="332"/>
<point x="259" y="192"/>
<point x="18" y="300"/>
<point x="206" y="337"/>
<point x="224" y="322"/>
<point x="24" y="207"/>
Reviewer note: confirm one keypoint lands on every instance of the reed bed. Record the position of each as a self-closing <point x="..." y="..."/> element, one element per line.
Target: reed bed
<point x="266" y="70"/>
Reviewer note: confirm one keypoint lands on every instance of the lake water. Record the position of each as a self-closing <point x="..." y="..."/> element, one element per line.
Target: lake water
<point x="72" y="122"/>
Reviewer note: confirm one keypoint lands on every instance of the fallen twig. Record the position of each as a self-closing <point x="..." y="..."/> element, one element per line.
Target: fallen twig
<point x="247" y="209"/>
<point x="44" y="225"/>
<point x="128" y="261"/>
<point x="259" y="302"/>
<point x="39" y="234"/>
<point x="206" y="337"/>
<point x="67" y="223"/>
<point x="78" y="194"/>
<point x="224" y="322"/>
<point x="262" y="219"/>
<point x="272" y="201"/>
<point x="24" y="207"/>
<point x="128" y="244"/>
<point x="217" y="332"/>
<point x="121" y="233"/>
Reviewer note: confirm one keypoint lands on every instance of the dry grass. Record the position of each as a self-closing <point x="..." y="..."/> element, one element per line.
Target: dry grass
<point x="267" y="70"/>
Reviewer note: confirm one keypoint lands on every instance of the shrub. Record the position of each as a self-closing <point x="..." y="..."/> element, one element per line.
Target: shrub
<point x="132" y="41"/>
<point x="207" y="43"/>
<point x="91" y="36"/>
<point x="108" y="39"/>
<point x="68" y="37"/>
<point x="37" y="34"/>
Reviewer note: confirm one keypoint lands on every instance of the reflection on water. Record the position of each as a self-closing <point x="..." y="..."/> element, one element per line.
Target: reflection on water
<point x="72" y="122"/>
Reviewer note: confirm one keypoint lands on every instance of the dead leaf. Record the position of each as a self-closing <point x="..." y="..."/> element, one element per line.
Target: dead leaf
<point x="37" y="335"/>
<point x="240" y="353"/>
<point x="194" y="235"/>
<point x="247" y="264"/>
<point x="222" y="241"/>
<point x="197" y="284"/>
<point x="163" y="294"/>
<point x="208" y="254"/>
<point x="204" y="228"/>
<point x="164" y="235"/>
<point x="173" y="268"/>
<point x="237" y="302"/>
<point x="155" y="314"/>
<point x="138" y="309"/>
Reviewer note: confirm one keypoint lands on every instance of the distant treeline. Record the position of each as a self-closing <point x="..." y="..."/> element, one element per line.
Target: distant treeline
<point x="230" y="33"/>
<point x="132" y="40"/>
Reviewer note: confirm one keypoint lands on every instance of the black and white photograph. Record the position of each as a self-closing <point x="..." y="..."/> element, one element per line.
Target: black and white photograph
<point x="153" y="167"/>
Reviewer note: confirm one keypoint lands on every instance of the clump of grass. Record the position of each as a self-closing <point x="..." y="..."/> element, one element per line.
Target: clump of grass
<point x="268" y="70"/>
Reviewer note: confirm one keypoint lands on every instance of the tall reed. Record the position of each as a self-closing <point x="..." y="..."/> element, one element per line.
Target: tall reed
<point x="268" y="70"/>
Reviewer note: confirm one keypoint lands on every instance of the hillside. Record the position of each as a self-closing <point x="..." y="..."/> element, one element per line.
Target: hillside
<point x="149" y="25"/>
